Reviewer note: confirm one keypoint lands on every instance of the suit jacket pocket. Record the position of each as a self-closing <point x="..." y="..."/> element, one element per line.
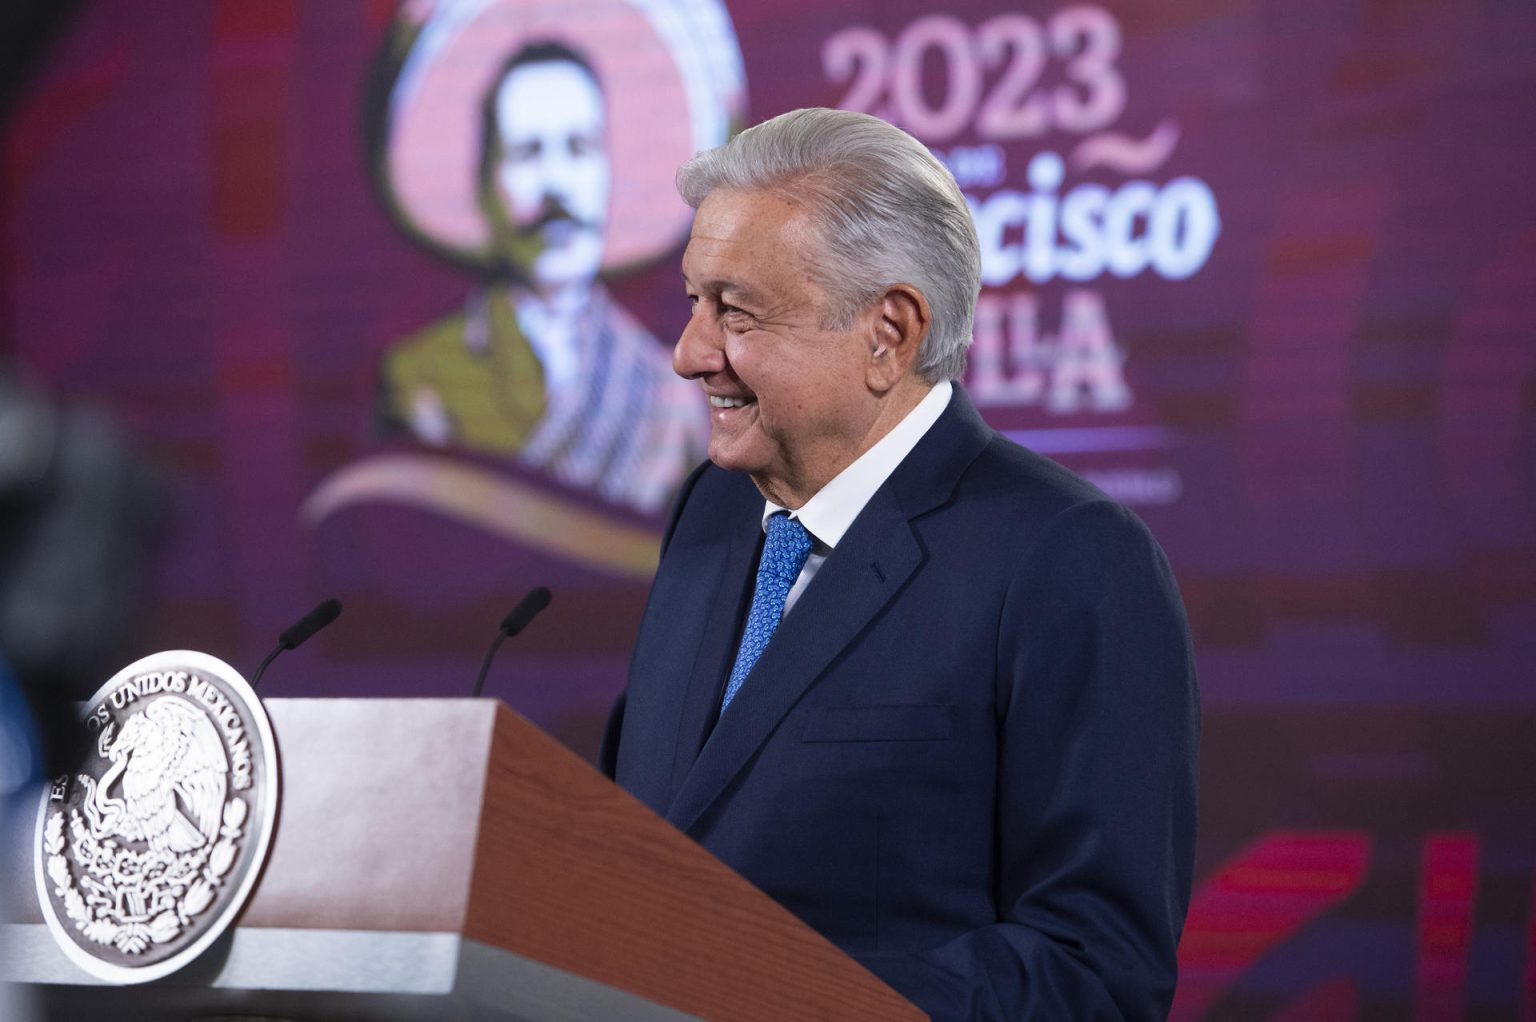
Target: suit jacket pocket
<point x="878" y="724"/>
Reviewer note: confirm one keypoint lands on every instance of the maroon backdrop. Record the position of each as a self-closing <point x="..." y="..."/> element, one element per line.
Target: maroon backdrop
<point x="1264" y="270"/>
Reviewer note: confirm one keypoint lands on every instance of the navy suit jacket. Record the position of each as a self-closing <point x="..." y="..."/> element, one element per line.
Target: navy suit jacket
<point x="967" y="756"/>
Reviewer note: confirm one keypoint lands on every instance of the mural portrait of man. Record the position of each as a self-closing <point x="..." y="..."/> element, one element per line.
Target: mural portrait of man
<point x="542" y="364"/>
<point x="512" y="142"/>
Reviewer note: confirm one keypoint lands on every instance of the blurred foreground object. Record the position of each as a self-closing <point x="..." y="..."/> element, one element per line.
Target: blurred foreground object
<point x="77" y="517"/>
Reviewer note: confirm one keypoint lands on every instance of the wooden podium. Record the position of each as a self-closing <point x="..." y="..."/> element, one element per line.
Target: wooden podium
<point x="445" y="859"/>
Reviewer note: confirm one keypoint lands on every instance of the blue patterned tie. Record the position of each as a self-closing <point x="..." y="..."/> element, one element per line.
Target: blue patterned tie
<point x="784" y="554"/>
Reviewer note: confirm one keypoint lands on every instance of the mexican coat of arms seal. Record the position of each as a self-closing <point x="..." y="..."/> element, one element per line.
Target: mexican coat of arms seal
<point x="145" y="856"/>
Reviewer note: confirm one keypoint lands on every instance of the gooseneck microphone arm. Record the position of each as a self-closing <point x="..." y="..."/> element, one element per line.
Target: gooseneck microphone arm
<point x="526" y="610"/>
<point x="299" y="632"/>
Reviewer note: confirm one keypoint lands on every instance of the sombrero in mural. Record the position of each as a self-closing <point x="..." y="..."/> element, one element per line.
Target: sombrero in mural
<point x="671" y="74"/>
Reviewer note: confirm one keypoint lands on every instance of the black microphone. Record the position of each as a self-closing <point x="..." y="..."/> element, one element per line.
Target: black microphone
<point x="299" y="632"/>
<point x="526" y="610"/>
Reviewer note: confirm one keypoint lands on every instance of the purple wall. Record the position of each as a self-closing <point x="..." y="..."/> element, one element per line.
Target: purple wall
<point x="1276" y="288"/>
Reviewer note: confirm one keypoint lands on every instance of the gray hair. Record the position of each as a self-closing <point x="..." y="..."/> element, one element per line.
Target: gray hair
<point x="887" y="212"/>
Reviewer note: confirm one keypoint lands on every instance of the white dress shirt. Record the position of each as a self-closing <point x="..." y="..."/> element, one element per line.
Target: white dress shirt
<point x="828" y="514"/>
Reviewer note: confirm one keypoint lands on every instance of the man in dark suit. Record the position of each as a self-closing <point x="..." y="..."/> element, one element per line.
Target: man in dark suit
<point x="929" y="690"/>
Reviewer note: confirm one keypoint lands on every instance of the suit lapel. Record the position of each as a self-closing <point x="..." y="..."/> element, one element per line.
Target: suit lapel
<point x="725" y="610"/>
<point x="874" y="560"/>
<point x="850" y="589"/>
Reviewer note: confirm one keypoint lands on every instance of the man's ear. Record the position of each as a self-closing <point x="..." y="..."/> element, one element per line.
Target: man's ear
<point x="902" y="322"/>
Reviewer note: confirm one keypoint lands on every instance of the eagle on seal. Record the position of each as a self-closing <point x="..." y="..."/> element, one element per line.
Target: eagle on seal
<point x="174" y="776"/>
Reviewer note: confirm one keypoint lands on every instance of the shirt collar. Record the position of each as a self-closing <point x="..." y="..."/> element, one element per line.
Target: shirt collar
<point x="828" y="514"/>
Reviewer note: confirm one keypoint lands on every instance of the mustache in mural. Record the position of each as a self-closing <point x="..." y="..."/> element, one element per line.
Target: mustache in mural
<point x="555" y="222"/>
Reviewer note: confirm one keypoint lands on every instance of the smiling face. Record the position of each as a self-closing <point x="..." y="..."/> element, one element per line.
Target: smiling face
<point x="793" y="401"/>
<point x="551" y="176"/>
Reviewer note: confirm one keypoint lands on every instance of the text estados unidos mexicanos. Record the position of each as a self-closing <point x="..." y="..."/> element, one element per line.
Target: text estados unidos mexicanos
<point x="182" y="682"/>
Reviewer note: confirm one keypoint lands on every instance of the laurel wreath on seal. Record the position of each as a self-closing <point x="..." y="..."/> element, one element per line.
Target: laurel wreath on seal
<point x="132" y="899"/>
